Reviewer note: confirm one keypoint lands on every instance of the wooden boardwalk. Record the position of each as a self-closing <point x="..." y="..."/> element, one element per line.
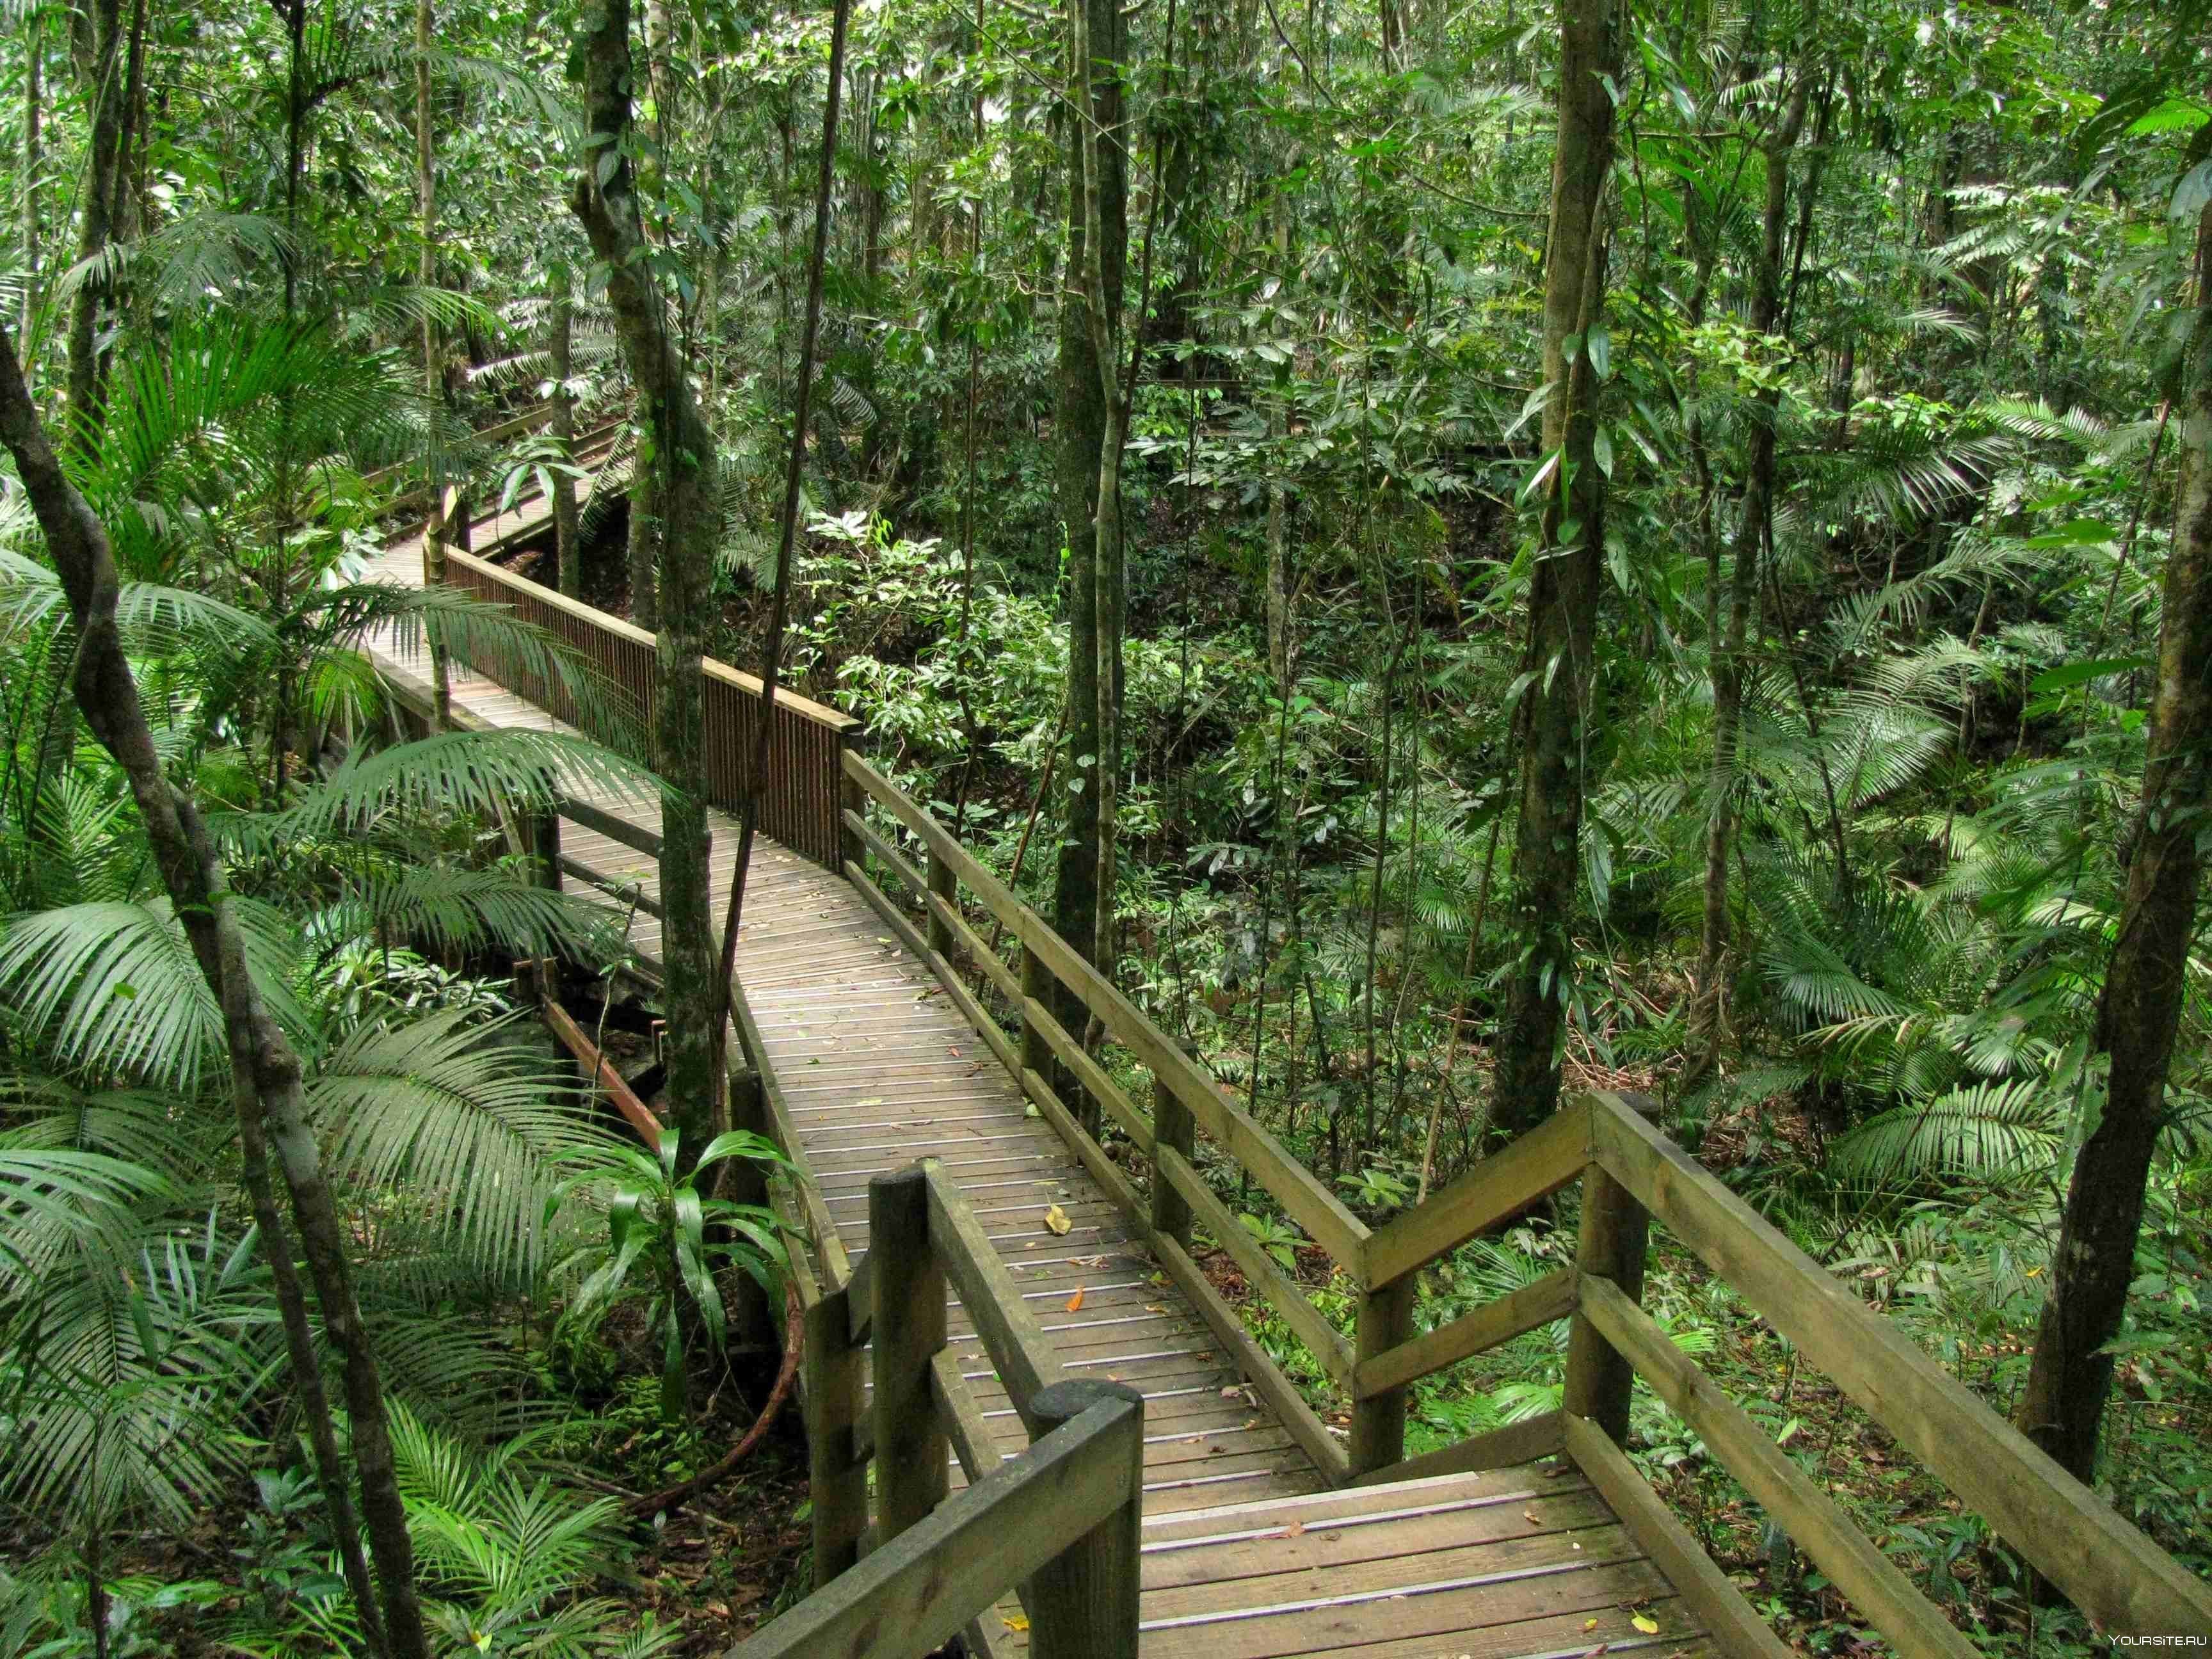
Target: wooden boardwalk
<point x="1245" y="1555"/>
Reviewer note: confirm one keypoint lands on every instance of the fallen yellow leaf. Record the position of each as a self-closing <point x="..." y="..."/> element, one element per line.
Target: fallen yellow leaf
<point x="1644" y="1622"/>
<point x="1015" y="1620"/>
<point x="1075" y="1301"/>
<point x="1057" y="1220"/>
<point x="1590" y="1624"/>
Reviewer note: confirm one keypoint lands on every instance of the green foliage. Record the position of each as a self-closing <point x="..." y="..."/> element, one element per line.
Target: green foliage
<point x="664" y="1229"/>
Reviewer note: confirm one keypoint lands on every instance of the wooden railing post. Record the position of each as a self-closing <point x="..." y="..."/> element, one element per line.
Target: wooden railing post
<point x="1038" y="986"/>
<point x="1615" y="1228"/>
<point x="909" y="1329"/>
<point x="1378" y="1420"/>
<point x="848" y="789"/>
<point x="545" y="847"/>
<point x="1174" y="1127"/>
<point x="1083" y="1604"/>
<point x="837" y="1475"/>
<point x="944" y="884"/>
<point x="742" y="1181"/>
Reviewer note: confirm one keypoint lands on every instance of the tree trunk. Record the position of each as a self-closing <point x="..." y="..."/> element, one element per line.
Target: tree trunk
<point x="35" y="51"/>
<point x="2139" y="1010"/>
<point x="642" y="545"/>
<point x="1100" y="48"/>
<point x="1557" y="715"/>
<point x="1753" y="530"/>
<point x="680" y="464"/>
<point x="434" y="379"/>
<point x="107" y="92"/>
<point x="1085" y="396"/>
<point x="306" y="1371"/>
<point x="568" y="535"/>
<point x="260" y="1056"/>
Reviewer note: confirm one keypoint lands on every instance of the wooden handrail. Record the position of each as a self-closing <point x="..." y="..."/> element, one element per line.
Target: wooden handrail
<point x="2105" y="1566"/>
<point x="2121" y="1580"/>
<point x="1542" y="1161"/>
<point x="924" y="1233"/>
<point x="1019" y="1350"/>
<point x="1014" y="1524"/>
<point x="1549" y="1298"/>
<point x="1808" y="1515"/>
<point x="1301" y="1195"/>
<point x="1184" y="1095"/>
<point x="620" y="628"/>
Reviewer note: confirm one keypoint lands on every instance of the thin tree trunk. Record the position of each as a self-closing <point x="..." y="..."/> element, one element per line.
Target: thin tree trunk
<point x="434" y="379"/>
<point x="683" y="465"/>
<point x="2139" y="1010"/>
<point x="192" y="873"/>
<point x="35" y="51"/>
<point x="787" y="529"/>
<point x="568" y="534"/>
<point x="1103" y="311"/>
<point x="306" y="1371"/>
<point x="1730" y="665"/>
<point x="107" y="91"/>
<point x="1278" y="554"/>
<point x="643" y="541"/>
<point x="1564" y="591"/>
<point x="1085" y="391"/>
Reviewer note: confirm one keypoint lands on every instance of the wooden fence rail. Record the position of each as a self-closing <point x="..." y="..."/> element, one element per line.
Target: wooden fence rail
<point x="1631" y="1177"/>
<point x="1059" y="1522"/>
<point x="802" y="796"/>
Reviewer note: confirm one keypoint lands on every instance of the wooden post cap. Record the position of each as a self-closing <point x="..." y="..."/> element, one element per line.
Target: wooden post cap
<point x="1057" y="1403"/>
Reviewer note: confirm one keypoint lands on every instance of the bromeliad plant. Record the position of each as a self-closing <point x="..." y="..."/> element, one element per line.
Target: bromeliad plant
<point x="664" y="1230"/>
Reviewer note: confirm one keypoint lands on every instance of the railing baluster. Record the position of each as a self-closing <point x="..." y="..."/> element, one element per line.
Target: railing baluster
<point x="1175" y="1128"/>
<point x="837" y="1474"/>
<point x="1037" y="987"/>
<point x="909" y="1329"/>
<point x="946" y="886"/>
<point x="1615" y="1230"/>
<point x="1083" y="1604"/>
<point x="1378" y="1420"/>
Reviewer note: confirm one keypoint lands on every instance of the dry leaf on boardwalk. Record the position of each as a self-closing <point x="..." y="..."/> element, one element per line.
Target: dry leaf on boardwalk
<point x="1057" y="1220"/>
<point x="1075" y="1302"/>
<point x="1291" y="1531"/>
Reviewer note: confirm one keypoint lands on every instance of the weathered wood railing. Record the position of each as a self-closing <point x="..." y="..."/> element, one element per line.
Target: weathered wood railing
<point x="1058" y="1523"/>
<point x="1630" y="1176"/>
<point x="803" y="792"/>
<point x="1186" y="1100"/>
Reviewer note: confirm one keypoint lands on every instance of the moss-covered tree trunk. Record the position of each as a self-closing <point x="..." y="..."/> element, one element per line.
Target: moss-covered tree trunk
<point x="2139" y="1011"/>
<point x="676" y="457"/>
<point x="270" y="1092"/>
<point x="1098" y="45"/>
<point x="1557" y="715"/>
<point x="568" y="536"/>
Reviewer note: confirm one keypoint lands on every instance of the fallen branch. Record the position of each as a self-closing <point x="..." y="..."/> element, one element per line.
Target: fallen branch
<point x="674" y="1498"/>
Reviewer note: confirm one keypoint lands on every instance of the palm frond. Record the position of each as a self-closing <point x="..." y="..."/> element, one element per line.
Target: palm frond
<point x="114" y="988"/>
<point x="460" y="1126"/>
<point x="1990" y="1131"/>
